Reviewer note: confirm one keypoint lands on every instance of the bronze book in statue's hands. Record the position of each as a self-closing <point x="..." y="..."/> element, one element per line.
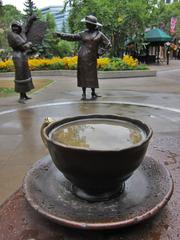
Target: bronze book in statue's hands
<point x="36" y="32"/>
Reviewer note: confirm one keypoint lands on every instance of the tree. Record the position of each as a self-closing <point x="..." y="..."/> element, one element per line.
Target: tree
<point x="121" y="19"/>
<point x="30" y="7"/>
<point x="8" y="14"/>
<point x="65" y="48"/>
<point x="163" y="13"/>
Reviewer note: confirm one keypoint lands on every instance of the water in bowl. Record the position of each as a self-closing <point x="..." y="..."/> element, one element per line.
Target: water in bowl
<point x="98" y="134"/>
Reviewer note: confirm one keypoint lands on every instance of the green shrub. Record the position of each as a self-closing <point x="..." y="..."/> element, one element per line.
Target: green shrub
<point x="65" y="48"/>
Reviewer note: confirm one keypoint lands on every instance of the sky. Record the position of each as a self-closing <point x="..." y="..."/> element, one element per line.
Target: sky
<point x="38" y="3"/>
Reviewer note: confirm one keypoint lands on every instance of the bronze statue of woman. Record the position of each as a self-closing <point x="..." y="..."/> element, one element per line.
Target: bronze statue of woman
<point x="91" y="40"/>
<point x="17" y="39"/>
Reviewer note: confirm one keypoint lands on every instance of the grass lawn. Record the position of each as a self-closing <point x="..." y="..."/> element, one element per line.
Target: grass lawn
<point x="7" y="86"/>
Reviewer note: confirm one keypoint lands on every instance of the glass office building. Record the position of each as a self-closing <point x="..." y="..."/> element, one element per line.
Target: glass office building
<point x="170" y="1"/>
<point x="60" y="18"/>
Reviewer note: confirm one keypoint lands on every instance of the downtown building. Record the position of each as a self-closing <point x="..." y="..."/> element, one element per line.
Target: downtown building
<point x="59" y="16"/>
<point x="171" y="1"/>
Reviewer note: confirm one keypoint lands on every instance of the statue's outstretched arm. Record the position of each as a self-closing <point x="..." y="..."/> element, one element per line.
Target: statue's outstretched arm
<point x="68" y="37"/>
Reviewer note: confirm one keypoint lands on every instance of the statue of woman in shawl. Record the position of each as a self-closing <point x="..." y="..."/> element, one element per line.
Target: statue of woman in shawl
<point x="91" y="40"/>
<point x="17" y="39"/>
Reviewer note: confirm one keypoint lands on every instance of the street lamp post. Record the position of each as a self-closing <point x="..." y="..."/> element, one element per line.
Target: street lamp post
<point x="167" y="44"/>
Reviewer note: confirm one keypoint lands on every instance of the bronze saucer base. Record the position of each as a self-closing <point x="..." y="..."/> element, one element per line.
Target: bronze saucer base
<point x="147" y="191"/>
<point x="99" y="197"/>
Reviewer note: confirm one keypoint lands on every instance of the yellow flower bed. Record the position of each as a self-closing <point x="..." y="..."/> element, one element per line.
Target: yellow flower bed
<point x="37" y="63"/>
<point x="68" y="62"/>
<point x="130" y="61"/>
<point x="6" y="66"/>
<point x="54" y="63"/>
<point x="102" y="62"/>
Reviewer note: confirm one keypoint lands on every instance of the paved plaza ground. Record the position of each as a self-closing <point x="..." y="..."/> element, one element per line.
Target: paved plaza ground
<point x="155" y="100"/>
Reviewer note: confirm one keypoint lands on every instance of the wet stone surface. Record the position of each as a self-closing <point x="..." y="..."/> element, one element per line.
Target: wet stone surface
<point x="21" y="146"/>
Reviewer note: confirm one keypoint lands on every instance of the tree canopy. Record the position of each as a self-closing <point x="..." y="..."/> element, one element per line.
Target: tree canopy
<point x="30" y="7"/>
<point x="123" y="19"/>
<point x="8" y="13"/>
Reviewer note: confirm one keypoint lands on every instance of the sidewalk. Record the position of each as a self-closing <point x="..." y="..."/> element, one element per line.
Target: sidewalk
<point x="154" y="100"/>
<point x="20" y="123"/>
<point x="173" y="64"/>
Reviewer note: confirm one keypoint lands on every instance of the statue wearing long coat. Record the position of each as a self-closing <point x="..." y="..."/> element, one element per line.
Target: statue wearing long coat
<point x="87" y="55"/>
<point x="23" y="79"/>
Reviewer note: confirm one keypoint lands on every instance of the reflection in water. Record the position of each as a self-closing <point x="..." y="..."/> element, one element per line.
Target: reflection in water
<point x="98" y="134"/>
<point x="135" y="136"/>
<point x="72" y="135"/>
<point x="31" y="145"/>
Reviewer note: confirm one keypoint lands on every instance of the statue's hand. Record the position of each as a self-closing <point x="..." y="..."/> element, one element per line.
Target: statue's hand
<point x="57" y="34"/>
<point x="28" y="45"/>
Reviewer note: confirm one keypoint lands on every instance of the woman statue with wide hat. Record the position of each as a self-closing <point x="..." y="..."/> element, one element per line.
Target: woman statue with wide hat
<point x="91" y="40"/>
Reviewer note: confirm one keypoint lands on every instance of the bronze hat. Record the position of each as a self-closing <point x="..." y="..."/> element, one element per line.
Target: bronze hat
<point x="92" y="20"/>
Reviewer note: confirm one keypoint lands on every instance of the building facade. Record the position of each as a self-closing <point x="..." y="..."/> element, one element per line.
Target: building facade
<point x="59" y="16"/>
<point x="171" y="1"/>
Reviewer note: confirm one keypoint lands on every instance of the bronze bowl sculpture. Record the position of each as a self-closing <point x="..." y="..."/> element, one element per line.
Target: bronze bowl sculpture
<point x="96" y="153"/>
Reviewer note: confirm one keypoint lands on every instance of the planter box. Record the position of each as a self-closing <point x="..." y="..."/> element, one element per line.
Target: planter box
<point x="126" y="74"/>
<point x="101" y="74"/>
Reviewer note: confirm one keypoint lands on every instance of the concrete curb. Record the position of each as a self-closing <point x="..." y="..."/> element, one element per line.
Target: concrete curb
<point x="101" y="74"/>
